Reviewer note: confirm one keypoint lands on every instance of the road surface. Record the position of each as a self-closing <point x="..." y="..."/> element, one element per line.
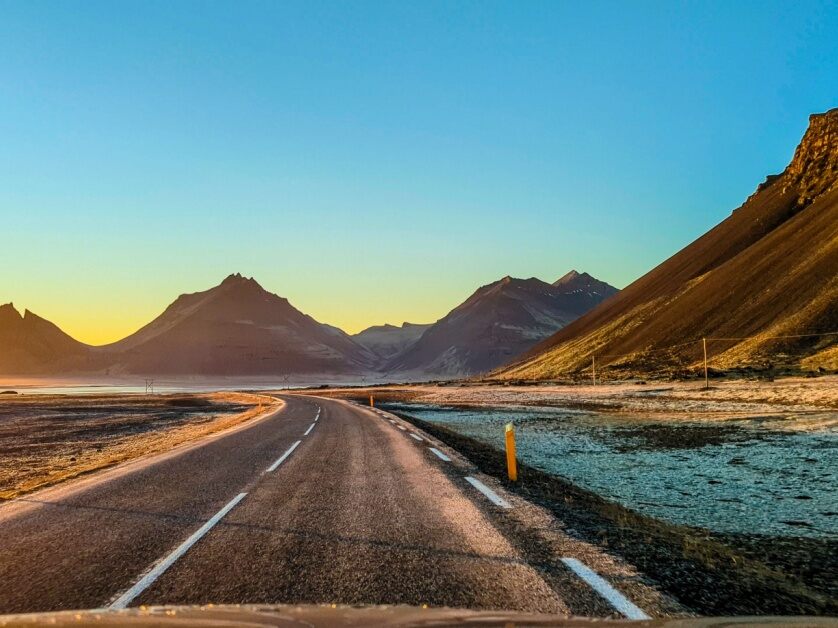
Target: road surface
<point x="322" y="501"/>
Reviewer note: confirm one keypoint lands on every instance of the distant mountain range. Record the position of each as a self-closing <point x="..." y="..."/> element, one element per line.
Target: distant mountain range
<point x="239" y="329"/>
<point x="764" y="282"/>
<point x="388" y="341"/>
<point x="498" y="322"/>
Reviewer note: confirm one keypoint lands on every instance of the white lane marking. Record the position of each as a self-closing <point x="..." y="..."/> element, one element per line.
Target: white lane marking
<point x="282" y="458"/>
<point x="439" y="454"/>
<point x="402" y="428"/>
<point x="419" y="438"/>
<point x="392" y="421"/>
<point x="147" y="580"/>
<point x="493" y="497"/>
<point x="310" y="427"/>
<point x="599" y="584"/>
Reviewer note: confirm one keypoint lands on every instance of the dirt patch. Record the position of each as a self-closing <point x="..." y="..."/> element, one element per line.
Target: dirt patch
<point x="657" y="437"/>
<point x="47" y="439"/>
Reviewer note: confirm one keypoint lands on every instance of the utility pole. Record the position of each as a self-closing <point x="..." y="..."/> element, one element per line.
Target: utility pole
<point x="706" y="376"/>
<point x="593" y="368"/>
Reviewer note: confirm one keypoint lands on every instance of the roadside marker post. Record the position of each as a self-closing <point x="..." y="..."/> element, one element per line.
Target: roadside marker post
<point x="511" y="462"/>
<point x="593" y="368"/>
<point x="706" y="376"/>
<point x="372" y="401"/>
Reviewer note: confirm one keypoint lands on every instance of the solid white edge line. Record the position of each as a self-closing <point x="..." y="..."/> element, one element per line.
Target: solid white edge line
<point x="282" y="458"/>
<point x="147" y="580"/>
<point x="496" y="499"/>
<point x="439" y="454"/>
<point x="419" y="438"/>
<point x="310" y="427"/>
<point x="601" y="586"/>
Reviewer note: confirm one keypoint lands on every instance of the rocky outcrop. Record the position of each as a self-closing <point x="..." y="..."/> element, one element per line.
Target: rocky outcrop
<point x="813" y="171"/>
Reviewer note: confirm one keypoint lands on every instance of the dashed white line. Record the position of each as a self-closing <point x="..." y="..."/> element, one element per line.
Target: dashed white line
<point x="402" y="428"/>
<point x="310" y="427"/>
<point x="282" y="458"/>
<point x="436" y="452"/>
<point x="126" y="598"/>
<point x="599" y="584"/>
<point x="419" y="438"/>
<point x="493" y="497"/>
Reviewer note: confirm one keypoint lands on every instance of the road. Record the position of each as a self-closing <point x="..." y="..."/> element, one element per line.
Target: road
<point x="322" y="501"/>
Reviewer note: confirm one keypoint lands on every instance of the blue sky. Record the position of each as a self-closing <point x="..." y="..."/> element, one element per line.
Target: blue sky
<point x="376" y="162"/>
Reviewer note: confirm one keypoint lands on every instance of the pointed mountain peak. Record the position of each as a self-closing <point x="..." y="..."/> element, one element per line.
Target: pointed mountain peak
<point x="240" y="285"/>
<point x="576" y="281"/>
<point x="9" y="307"/>
<point x="30" y="317"/>
<point x="238" y="279"/>
<point x="8" y="313"/>
<point x="569" y="277"/>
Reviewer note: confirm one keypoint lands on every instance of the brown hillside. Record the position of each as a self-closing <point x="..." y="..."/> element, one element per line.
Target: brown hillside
<point x="770" y="269"/>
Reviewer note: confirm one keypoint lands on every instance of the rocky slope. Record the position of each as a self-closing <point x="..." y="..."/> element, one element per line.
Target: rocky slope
<point x="496" y="323"/>
<point x="768" y="270"/>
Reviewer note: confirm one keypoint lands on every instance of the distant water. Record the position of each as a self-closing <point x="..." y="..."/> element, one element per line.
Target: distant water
<point x="161" y="387"/>
<point x="734" y="477"/>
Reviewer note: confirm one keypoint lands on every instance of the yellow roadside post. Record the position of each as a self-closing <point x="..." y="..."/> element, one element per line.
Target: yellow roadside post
<point x="511" y="462"/>
<point x="372" y="402"/>
<point x="706" y="375"/>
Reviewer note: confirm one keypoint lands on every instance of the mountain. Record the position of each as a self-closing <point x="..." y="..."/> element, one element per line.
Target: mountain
<point x="387" y="341"/>
<point x="498" y="322"/>
<point x="236" y="328"/>
<point x="30" y="345"/>
<point x="770" y="269"/>
<point x="581" y="292"/>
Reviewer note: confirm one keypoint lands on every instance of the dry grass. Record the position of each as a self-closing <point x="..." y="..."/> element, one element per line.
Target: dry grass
<point x="794" y="403"/>
<point x="47" y="439"/>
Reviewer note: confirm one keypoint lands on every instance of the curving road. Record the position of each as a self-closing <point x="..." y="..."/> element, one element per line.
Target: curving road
<point x="349" y="508"/>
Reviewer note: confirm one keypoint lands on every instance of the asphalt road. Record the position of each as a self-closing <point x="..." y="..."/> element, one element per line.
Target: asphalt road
<point x="358" y="512"/>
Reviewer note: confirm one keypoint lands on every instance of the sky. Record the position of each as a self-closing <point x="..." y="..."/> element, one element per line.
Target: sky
<point x="378" y="161"/>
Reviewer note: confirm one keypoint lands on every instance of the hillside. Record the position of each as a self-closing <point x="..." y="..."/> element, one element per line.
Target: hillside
<point x="496" y="323"/>
<point x="770" y="269"/>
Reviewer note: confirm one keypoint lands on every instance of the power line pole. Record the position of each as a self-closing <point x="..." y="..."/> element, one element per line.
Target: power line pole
<point x="593" y="368"/>
<point x="706" y="376"/>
